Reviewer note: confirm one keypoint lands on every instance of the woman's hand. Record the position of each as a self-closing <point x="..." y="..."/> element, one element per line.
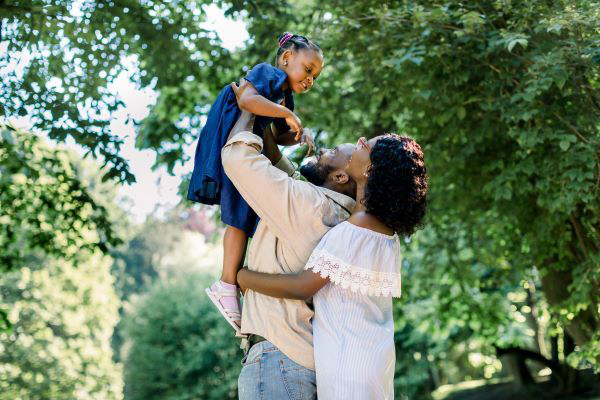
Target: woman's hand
<point x="295" y="125"/>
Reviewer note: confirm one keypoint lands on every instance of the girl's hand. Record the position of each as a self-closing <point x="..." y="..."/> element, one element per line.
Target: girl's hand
<point x="295" y="124"/>
<point x="307" y="138"/>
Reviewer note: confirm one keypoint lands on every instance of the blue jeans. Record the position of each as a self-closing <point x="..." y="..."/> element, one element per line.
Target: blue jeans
<point x="268" y="374"/>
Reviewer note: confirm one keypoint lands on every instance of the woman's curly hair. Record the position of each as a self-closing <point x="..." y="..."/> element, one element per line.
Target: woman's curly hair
<point x="396" y="189"/>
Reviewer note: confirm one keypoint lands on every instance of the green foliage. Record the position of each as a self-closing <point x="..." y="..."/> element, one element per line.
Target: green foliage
<point x="412" y="376"/>
<point x="62" y="315"/>
<point x="179" y="346"/>
<point x="158" y="250"/>
<point x="55" y="282"/>
<point x="504" y="97"/>
<point x="45" y="205"/>
<point x="61" y="56"/>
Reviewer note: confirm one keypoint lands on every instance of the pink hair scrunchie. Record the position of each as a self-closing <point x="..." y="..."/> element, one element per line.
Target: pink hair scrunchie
<point x="284" y="39"/>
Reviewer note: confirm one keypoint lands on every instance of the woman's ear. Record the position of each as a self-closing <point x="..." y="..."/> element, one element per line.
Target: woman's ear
<point x="340" y="176"/>
<point x="368" y="170"/>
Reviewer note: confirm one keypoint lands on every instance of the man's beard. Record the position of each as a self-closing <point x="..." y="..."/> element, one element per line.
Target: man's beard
<point x="315" y="173"/>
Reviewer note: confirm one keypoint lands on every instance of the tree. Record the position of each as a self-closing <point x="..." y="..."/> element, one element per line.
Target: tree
<point x="61" y="56"/>
<point x="46" y="208"/>
<point x="55" y="283"/>
<point x="62" y="315"/>
<point x="178" y="346"/>
<point x="505" y="100"/>
<point x="159" y="251"/>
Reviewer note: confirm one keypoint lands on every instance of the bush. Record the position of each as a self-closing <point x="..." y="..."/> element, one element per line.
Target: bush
<point x="178" y="346"/>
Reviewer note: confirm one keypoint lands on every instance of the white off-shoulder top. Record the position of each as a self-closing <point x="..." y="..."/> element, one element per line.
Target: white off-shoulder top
<point x="353" y="326"/>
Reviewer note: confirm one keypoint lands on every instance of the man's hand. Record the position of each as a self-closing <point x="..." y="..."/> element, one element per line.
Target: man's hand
<point x="295" y="124"/>
<point x="246" y="120"/>
<point x="307" y="139"/>
<point x="238" y="90"/>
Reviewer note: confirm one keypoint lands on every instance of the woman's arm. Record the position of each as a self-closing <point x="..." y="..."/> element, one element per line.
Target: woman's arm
<point x="300" y="286"/>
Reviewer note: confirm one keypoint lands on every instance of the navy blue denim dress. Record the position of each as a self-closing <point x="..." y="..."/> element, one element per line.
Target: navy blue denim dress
<point x="209" y="183"/>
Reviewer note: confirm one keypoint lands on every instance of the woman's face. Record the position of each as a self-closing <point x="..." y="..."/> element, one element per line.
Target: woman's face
<point x="361" y="158"/>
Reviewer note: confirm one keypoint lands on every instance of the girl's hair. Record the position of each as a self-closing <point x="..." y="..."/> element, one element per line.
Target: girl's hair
<point x="396" y="190"/>
<point x="290" y="41"/>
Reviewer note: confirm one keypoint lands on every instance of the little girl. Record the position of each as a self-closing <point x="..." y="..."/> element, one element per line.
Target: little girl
<point x="268" y="95"/>
<point x="354" y="272"/>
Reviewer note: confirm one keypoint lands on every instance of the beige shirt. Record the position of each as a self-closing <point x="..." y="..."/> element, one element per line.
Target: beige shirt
<point x="294" y="216"/>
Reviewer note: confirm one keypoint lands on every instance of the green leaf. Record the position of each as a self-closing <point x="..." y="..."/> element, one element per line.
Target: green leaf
<point x="512" y="43"/>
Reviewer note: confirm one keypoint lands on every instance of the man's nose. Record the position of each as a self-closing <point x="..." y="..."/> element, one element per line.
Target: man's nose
<point x="322" y="151"/>
<point x="309" y="81"/>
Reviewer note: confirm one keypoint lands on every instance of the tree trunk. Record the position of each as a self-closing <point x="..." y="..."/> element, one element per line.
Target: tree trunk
<point x="555" y="284"/>
<point x="514" y="358"/>
<point x="532" y="320"/>
<point x="518" y="369"/>
<point x="554" y="349"/>
<point x="570" y="375"/>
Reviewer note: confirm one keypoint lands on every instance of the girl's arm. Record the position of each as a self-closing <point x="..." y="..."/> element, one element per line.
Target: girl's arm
<point x="300" y="286"/>
<point x="250" y="100"/>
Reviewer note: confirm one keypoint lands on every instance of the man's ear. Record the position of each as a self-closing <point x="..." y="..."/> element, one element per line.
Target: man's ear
<point x="340" y="176"/>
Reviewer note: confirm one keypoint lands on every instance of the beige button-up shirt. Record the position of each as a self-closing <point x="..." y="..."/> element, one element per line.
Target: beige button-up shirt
<point x="294" y="215"/>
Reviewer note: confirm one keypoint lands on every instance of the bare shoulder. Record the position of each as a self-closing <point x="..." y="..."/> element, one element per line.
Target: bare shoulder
<point x="368" y="221"/>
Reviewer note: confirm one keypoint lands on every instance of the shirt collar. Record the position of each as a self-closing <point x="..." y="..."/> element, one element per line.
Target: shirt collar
<point x="343" y="200"/>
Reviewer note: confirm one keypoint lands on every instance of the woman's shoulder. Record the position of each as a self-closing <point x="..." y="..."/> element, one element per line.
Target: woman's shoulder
<point x="365" y="220"/>
<point x="348" y="234"/>
<point x="359" y="259"/>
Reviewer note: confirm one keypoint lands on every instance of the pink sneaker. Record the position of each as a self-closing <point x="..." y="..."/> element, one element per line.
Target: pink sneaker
<point x="227" y="301"/>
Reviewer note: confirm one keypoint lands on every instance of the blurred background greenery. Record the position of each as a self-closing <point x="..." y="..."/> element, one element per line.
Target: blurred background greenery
<point x="500" y="290"/>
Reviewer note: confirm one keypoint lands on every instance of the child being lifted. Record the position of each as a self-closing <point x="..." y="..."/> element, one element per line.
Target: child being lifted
<point x="268" y="94"/>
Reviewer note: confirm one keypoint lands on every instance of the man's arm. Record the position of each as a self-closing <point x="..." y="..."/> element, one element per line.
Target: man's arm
<point x="282" y="202"/>
<point x="245" y="123"/>
<point x="270" y="149"/>
<point x="300" y="286"/>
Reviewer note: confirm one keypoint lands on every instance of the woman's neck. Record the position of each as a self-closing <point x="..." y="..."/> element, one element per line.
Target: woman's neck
<point x="360" y="195"/>
<point x="362" y="218"/>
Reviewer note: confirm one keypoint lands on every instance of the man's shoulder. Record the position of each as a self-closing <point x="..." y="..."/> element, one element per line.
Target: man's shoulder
<point x="338" y="200"/>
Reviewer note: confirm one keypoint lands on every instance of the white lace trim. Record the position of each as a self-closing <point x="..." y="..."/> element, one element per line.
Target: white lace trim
<point x="357" y="279"/>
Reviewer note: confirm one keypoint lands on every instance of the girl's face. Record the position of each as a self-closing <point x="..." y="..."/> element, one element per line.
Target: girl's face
<point x="302" y="68"/>
<point x="361" y="159"/>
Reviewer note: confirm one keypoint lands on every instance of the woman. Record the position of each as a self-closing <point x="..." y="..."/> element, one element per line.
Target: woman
<point x="354" y="271"/>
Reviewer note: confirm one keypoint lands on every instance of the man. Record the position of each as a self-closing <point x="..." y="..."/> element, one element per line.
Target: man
<point x="294" y="216"/>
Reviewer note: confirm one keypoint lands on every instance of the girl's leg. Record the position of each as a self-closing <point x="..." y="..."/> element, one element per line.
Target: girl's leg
<point x="224" y="293"/>
<point x="234" y="251"/>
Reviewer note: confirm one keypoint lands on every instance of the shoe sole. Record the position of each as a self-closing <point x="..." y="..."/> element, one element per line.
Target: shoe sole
<point x="215" y="301"/>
